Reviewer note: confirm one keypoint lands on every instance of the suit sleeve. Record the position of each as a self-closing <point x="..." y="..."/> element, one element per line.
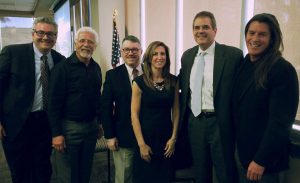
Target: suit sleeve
<point x="5" y="64"/>
<point x="57" y="94"/>
<point x="283" y="103"/>
<point x="108" y="107"/>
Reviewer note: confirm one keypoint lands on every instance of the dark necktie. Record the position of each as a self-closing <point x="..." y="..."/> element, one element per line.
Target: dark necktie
<point x="135" y="73"/>
<point x="45" y="71"/>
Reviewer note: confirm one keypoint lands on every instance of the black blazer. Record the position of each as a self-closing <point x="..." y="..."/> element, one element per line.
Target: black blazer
<point x="226" y="61"/>
<point x="264" y="117"/>
<point x="17" y="85"/>
<point x="116" y="104"/>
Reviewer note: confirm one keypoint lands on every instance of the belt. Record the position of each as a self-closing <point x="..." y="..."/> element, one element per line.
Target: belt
<point x="207" y="114"/>
<point x="37" y="114"/>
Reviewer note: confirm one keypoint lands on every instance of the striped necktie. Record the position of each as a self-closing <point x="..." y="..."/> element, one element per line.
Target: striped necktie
<point x="45" y="71"/>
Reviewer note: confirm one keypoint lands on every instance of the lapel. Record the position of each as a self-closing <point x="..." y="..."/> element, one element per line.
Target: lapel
<point x="189" y="63"/>
<point x="249" y="83"/>
<point x="125" y="81"/>
<point x="54" y="57"/>
<point x="219" y="62"/>
<point x="30" y="62"/>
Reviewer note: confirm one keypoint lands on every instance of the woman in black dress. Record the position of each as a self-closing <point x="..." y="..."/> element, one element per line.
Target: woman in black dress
<point x="155" y="116"/>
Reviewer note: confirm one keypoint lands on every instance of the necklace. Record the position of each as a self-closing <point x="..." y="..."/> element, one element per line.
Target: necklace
<point x="159" y="85"/>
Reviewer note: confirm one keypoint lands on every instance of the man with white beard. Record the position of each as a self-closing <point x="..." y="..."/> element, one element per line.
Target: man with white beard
<point x="74" y="109"/>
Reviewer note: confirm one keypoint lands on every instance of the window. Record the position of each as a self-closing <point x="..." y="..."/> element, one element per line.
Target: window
<point x="15" y="30"/>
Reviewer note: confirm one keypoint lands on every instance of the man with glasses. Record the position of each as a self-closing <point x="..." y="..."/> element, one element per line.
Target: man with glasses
<point x="24" y="127"/>
<point x="116" y="100"/>
<point x="74" y="109"/>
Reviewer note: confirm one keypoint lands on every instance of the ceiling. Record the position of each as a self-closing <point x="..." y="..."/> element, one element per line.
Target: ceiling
<point x="27" y="8"/>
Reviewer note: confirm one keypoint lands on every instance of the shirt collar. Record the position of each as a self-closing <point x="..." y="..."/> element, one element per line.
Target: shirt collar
<point x="38" y="54"/>
<point x="210" y="50"/>
<point x="129" y="69"/>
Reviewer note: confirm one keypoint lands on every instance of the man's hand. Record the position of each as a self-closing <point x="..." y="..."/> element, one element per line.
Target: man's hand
<point x="255" y="171"/>
<point x="2" y="132"/>
<point x="112" y="144"/>
<point x="58" y="143"/>
<point x="100" y="132"/>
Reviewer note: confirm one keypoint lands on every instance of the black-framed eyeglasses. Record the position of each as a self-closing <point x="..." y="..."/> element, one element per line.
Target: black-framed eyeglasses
<point x="43" y="33"/>
<point x="133" y="50"/>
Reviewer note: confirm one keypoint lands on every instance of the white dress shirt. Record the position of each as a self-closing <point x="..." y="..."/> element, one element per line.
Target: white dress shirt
<point x="207" y="85"/>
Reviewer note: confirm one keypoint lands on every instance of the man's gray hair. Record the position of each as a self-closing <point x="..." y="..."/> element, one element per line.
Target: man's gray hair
<point x="87" y="29"/>
<point x="46" y="20"/>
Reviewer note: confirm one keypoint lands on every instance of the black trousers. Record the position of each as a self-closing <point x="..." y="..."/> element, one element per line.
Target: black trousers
<point x="28" y="155"/>
<point x="206" y="146"/>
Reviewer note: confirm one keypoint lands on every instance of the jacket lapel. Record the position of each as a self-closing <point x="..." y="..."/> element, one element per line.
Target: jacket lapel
<point x="31" y="64"/>
<point x="249" y="83"/>
<point x="125" y="80"/>
<point x="219" y="62"/>
<point x="189" y="63"/>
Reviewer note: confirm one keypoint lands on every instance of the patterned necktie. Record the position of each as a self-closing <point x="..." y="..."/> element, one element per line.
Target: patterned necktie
<point x="196" y="96"/>
<point x="135" y="73"/>
<point x="45" y="71"/>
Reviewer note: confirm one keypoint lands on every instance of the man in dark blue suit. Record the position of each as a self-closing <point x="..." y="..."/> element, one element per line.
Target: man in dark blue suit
<point x="116" y="100"/>
<point x="24" y="127"/>
<point x="205" y="109"/>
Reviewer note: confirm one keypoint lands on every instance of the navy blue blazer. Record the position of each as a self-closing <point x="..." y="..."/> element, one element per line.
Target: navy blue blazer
<point x="116" y="107"/>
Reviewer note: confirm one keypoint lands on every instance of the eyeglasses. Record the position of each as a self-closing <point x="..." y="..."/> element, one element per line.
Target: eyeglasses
<point x="133" y="50"/>
<point x="43" y="33"/>
<point x="82" y="41"/>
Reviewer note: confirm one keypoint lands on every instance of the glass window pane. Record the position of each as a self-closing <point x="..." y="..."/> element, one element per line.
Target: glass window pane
<point x="15" y="30"/>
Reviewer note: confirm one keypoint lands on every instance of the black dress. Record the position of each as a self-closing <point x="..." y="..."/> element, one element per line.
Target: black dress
<point x="156" y="126"/>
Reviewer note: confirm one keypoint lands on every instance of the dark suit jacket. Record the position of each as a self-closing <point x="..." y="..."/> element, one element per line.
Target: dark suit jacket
<point x="226" y="62"/>
<point x="116" y="104"/>
<point x="17" y="85"/>
<point x="264" y="117"/>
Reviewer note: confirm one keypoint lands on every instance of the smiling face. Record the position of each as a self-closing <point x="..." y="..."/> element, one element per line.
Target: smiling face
<point x="258" y="39"/>
<point x="131" y="53"/>
<point x="44" y="37"/>
<point x="204" y="33"/>
<point x="85" y="45"/>
<point x="159" y="58"/>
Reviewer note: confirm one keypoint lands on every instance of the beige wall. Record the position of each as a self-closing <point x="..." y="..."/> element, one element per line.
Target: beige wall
<point x="160" y="22"/>
<point x="102" y="11"/>
<point x="132" y="17"/>
<point x="227" y="14"/>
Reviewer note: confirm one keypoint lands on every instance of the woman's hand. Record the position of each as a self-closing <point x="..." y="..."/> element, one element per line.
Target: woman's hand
<point x="170" y="148"/>
<point x="146" y="152"/>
